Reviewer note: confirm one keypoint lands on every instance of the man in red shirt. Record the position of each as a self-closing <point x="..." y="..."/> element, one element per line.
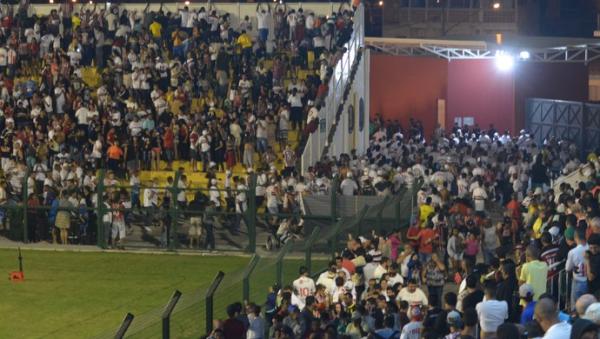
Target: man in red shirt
<point x="233" y="328"/>
<point x="425" y="238"/>
<point x="169" y="146"/>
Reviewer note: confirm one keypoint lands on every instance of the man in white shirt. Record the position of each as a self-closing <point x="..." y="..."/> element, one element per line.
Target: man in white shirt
<point x="82" y="115"/>
<point x="479" y="197"/>
<point x="3" y="58"/>
<point x="412" y="294"/>
<point x="327" y="278"/>
<point x="576" y="264"/>
<point x="382" y="268"/>
<point x="546" y="315"/>
<point x="304" y="285"/>
<point x="491" y="312"/>
<point x="262" y="17"/>
<point x="348" y="185"/>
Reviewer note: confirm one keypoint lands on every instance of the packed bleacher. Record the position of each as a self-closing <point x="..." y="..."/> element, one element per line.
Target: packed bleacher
<point x="144" y="93"/>
<point x="140" y="94"/>
<point x="494" y="251"/>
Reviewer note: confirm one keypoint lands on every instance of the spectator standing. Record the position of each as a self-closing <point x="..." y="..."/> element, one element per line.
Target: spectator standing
<point x="491" y="312"/>
<point x="534" y="272"/>
<point x="576" y="266"/>
<point x="434" y="276"/>
<point x="593" y="265"/>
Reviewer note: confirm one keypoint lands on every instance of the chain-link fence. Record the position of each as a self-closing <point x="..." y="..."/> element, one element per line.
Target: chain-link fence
<point x="185" y="216"/>
<point x="195" y="313"/>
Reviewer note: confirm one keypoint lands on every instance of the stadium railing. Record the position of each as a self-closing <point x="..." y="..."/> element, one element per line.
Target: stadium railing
<point x="311" y="148"/>
<point x="196" y="312"/>
<point x="167" y="227"/>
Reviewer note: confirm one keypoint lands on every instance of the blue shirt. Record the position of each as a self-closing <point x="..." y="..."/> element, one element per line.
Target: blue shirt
<point x="527" y="314"/>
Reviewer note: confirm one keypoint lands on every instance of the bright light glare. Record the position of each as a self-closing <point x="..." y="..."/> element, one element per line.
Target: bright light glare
<point x="187" y="3"/>
<point x="51" y="1"/>
<point x="380" y="3"/>
<point x="108" y="5"/>
<point x="504" y="61"/>
<point x="496" y="5"/>
<point x="524" y="55"/>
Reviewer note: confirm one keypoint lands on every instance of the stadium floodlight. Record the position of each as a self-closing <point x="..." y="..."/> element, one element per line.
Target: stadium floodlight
<point x="504" y="61"/>
<point x="524" y="55"/>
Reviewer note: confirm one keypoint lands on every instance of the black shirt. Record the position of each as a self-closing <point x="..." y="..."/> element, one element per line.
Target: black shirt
<point x="594" y="285"/>
<point x="472" y="299"/>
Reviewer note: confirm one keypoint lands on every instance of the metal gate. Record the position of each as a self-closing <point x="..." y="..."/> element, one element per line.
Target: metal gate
<point x="564" y="120"/>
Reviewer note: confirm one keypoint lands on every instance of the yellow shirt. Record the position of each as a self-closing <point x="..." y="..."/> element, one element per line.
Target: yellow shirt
<point x="155" y="29"/>
<point x="424" y="212"/>
<point x="75" y="21"/>
<point x="176" y="39"/>
<point x="535" y="273"/>
<point x="245" y="41"/>
<point x="537" y="228"/>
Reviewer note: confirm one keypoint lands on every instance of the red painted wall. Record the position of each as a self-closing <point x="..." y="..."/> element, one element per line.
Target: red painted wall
<point x="405" y="87"/>
<point x="549" y="81"/>
<point x="478" y="89"/>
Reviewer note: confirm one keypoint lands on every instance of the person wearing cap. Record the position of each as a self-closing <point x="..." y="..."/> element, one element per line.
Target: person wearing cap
<point x="526" y="294"/>
<point x="454" y="322"/>
<point x="413" y="329"/>
<point x="592" y="263"/>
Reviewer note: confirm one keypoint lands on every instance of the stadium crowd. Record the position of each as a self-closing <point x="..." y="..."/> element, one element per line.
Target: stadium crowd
<point x="186" y="85"/>
<point x="481" y="259"/>
<point x="129" y="91"/>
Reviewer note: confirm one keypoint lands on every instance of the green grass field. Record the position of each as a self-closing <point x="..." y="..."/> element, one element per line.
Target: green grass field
<point x="87" y="294"/>
<point x="81" y="294"/>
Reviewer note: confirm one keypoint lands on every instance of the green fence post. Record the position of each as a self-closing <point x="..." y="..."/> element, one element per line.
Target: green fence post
<point x="100" y="211"/>
<point x="166" y="316"/>
<point x="360" y="218"/>
<point x="308" y="248"/>
<point x="284" y="250"/>
<point x="333" y="244"/>
<point x="247" y="273"/>
<point x="333" y="209"/>
<point x="397" y="204"/>
<point x="25" y="192"/>
<point x="172" y="239"/>
<point x="379" y="222"/>
<point x="208" y="300"/>
<point x="251" y="214"/>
